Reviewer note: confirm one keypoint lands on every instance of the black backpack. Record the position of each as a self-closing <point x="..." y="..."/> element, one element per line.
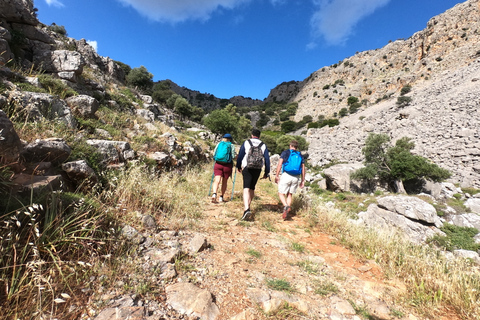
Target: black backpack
<point x="255" y="156"/>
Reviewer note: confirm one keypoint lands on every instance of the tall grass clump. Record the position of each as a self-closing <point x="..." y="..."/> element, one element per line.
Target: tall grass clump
<point x="433" y="281"/>
<point x="172" y="198"/>
<point x="45" y="255"/>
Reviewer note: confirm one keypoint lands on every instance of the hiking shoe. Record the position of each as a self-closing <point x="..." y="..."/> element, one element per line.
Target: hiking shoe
<point x="247" y="215"/>
<point x="214" y="197"/>
<point x="286" y="211"/>
<point x="221" y="199"/>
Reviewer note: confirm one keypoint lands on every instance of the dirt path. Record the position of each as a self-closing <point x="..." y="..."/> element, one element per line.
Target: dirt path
<point x="319" y="270"/>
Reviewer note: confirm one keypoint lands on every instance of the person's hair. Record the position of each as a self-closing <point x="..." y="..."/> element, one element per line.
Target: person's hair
<point x="256" y="133"/>
<point x="294" y="143"/>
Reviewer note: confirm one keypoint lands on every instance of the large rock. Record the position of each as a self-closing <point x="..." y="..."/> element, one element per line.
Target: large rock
<point x="113" y="151"/>
<point x="84" y="105"/>
<point x="54" y="150"/>
<point x="189" y="299"/>
<point x="473" y="204"/>
<point x="59" y="61"/>
<point x="338" y="178"/>
<point x="387" y="221"/>
<point x="27" y="183"/>
<point x="412" y="208"/>
<point x="35" y="106"/>
<point x="79" y="171"/>
<point x="469" y="220"/>
<point x="21" y="11"/>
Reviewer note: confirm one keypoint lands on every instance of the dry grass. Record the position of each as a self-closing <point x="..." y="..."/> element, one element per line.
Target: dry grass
<point x="173" y="199"/>
<point x="433" y="282"/>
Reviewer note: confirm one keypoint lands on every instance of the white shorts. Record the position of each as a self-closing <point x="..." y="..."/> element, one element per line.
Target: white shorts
<point x="288" y="183"/>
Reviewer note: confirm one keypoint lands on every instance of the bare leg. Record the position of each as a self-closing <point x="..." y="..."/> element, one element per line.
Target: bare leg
<point x="224" y="186"/>
<point x="216" y="182"/>
<point x="283" y="199"/>
<point x="289" y="199"/>
<point x="248" y="195"/>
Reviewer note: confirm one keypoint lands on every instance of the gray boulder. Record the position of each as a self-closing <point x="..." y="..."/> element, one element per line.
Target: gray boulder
<point x="113" y="151"/>
<point x="338" y="178"/>
<point x="412" y="208"/>
<point x="83" y="105"/>
<point x="37" y="106"/>
<point x="469" y="220"/>
<point x="54" y="150"/>
<point x="473" y="204"/>
<point x="384" y="220"/>
<point x="60" y="61"/>
<point x="189" y="299"/>
<point x="79" y="171"/>
<point x="18" y="11"/>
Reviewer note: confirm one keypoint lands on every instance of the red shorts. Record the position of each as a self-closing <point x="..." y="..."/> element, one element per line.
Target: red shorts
<point x="223" y="169"/>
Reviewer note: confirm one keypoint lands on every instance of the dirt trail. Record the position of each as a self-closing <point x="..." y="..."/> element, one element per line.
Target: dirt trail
<point x="250" y="254"/>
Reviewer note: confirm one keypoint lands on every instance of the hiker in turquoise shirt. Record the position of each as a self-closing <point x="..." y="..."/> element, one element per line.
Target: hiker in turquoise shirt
<point x="223" y="155"/>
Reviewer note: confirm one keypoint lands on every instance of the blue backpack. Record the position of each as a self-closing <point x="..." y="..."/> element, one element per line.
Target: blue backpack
<point x="224" y="152"/>
<point x="293" y="165"/>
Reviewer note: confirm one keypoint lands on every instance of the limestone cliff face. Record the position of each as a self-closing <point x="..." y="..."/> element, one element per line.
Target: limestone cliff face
<point x="440" y="63"/>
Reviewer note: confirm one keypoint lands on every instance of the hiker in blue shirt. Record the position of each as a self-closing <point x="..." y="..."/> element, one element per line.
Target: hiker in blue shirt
<point x="223" y="155"/>
<point x="253" y="155"/>
<point x="291" y="166"/>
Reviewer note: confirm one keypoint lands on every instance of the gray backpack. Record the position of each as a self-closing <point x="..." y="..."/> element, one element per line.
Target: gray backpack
<point x="255" y="156"/>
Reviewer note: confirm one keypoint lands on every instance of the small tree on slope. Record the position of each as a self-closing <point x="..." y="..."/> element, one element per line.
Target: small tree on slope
<point x="396" y="164"/>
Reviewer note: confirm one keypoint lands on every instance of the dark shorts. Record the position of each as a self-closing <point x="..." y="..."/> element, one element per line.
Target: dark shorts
<point x="223" y="169"/>
<point x="250" y="177"/>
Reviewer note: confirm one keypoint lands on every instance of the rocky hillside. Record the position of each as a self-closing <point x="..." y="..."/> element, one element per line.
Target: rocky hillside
<point x="449" y="41"/>
<point x="441" y="66"/>
<point x="76" y="109"/>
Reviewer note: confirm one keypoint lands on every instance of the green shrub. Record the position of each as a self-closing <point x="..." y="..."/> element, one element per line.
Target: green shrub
<point x="56" y="86"/>
<point x="456" y="238"/>
<point x="403" y="101"/>
<point x="57" y="29"/>
<point x="329" y="122"/>
<point x="405" y="90"/>
<point x="288" y="126"/>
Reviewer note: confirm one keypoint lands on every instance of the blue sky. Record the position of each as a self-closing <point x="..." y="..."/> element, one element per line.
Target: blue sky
<point x="237" y="47"/>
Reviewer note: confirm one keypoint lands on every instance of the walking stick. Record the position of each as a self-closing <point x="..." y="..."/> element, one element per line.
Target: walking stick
<point x="233" y="187"/>
<point x="213" y="176"/>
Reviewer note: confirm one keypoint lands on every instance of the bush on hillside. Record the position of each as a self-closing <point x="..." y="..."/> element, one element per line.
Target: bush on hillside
<point x="140" y="78"/>
<point x="288" y="126"/>
<point x="283" y="143"/>
<point x="396" y="164"/>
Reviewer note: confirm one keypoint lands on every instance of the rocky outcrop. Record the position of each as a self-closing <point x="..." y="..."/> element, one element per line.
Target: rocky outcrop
<point x="33" y="106"/>
<point x="448" y="42"/>
<point x="441" y="65"/>
<point x="442" y="120"/>
<point x="389" y="221"/>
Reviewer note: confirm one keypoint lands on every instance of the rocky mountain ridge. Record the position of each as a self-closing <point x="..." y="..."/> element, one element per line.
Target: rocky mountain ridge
<point x="449" y="41"/>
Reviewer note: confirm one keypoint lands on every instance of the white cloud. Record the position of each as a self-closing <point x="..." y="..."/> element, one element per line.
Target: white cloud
<point x="55" y="3"/>
<point x="94" y="44"/>
<point x="335" y="19"/>
<point x="180" y="10"/>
